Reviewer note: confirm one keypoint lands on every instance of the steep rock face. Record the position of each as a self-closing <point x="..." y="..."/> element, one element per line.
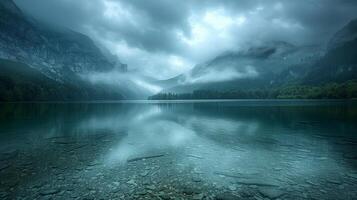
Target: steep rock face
<point x="19" y="82"/>
<point x="346" y="34"/>
<point x="340" y="62"/>
<point x="55" y="52"/>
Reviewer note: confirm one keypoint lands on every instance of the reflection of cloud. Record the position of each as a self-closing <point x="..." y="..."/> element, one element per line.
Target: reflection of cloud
<point x="224" y="126"/>
<point x="147" y="114"/>
<point x="150" y="136"/>
<point x="211" y="145"/>
<point x="111" y="122"/>
<point x="118" y="120"/>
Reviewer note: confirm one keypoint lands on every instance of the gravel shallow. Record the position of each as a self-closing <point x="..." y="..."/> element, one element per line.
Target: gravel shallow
<point x="64" y="168"/>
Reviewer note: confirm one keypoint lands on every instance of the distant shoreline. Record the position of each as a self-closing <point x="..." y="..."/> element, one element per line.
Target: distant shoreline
<point x="143" y="101"/>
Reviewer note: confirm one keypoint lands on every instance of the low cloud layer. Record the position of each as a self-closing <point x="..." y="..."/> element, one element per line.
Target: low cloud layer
<point x="163" y="38"/>
<point x="226" y="74"/>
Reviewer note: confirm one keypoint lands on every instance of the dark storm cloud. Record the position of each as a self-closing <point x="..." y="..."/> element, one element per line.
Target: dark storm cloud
<point x="158" y="20"/>
<point x="321" y="18"/>
<point x="63" y="12"/>
<point x="155" y="21"/>
<point x="191" y="31"/>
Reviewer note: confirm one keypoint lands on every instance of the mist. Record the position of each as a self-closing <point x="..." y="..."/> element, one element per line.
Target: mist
<point x="227" y="74"/>
<point x="121" y="80"/>
<point x="163" y="40"/>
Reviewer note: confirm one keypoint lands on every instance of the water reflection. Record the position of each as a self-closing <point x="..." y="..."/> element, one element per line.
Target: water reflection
<point x="150" y="137"/>
<point x="226" y="144"/>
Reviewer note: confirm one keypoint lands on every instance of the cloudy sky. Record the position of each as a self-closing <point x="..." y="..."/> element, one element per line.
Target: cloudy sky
<point x="163" y="38"/>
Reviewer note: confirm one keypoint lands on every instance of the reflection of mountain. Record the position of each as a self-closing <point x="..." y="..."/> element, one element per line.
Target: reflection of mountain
<point x="197" y="133"/>
<point x="214" y="137"/>
<point x="60" y="119"/>
<point x="247" y="117"/>
<point x="275" y="65"/>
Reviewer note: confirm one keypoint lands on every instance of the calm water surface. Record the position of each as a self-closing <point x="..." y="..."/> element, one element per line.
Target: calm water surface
<point x="179" y="150"/>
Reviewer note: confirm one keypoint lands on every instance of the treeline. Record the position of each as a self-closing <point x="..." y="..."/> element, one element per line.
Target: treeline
<point x="33" y="91"/>
<point x="345" y="90"/>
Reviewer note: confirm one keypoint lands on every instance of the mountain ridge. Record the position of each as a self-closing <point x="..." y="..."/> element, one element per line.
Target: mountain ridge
<point x="296" y="68"/>
<point x="48" y="50"/>
<point x="255" y="67"/>
<point x="58" y="53"/>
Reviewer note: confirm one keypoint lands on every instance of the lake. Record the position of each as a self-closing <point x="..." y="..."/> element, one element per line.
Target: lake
<point x="249" y="149"/>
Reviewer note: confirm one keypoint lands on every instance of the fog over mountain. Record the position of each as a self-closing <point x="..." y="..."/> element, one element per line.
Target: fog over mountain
<point x="162" y="38"/>
<point x="113" y="50"/>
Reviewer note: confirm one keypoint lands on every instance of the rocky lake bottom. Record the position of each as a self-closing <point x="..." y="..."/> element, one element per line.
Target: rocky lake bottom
<point x="215" y="150"/>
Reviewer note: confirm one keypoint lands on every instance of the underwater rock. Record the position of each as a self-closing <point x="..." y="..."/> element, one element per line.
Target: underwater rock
<point x="3" y="165"/>
<point x="145" y="157"/>
<point x="131" y="182"/>
<point x="198" y="196"/>
<point x="49" y="192"/>
<point x="270" y="192"/>
<point x="232" y="187"/>
<point x="226" y="196"/>
<point x="144" y="173"/>
<point x="10" y="154"/>
<point x="151" y="187"/>
<point x="352" y="175"/>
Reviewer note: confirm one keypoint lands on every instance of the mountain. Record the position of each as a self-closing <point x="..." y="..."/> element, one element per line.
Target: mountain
<point x="340" y="62"/>
<point x="19" y="82"/>
<point x="275" y="70"/>
<point x="64" y="57"/>
<point x="254" y="68"/>
<point x="347" y="34"/>
<point x="51" y="50"/>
